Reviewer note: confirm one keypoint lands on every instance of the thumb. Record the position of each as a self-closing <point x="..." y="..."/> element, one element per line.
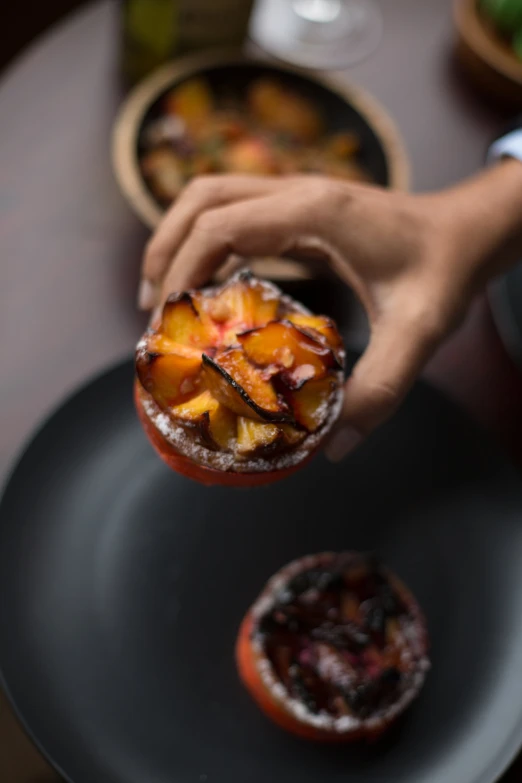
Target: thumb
<point x="379" y="381"/>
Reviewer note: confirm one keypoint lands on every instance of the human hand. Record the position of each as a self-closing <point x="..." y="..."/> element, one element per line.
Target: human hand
<point x="413" y="261"/>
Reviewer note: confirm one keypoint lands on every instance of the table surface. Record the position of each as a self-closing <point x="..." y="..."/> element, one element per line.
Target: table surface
<point x="71" y="248"/>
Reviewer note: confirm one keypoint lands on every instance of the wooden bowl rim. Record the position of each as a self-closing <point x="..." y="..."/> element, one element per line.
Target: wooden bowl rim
<point x="134" y="108"/>
<point x="483" y="43"/>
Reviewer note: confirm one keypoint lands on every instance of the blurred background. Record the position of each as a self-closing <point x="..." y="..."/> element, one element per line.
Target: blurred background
<point x="107" y="108"/>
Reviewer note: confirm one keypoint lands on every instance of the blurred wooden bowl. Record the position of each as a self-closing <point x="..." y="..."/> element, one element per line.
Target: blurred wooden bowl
<point x="343" y="107"/>
<point x="486" y="57"/>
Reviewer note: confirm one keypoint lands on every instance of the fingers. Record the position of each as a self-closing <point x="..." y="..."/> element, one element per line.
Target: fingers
<point x="256" y="227"/>
<point x="202" y="194"/>
<point x="394" y="358"/>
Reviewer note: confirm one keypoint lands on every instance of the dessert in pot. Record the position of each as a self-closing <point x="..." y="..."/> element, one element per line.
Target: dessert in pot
<point x="238" y="384"/>
<point x="335" y="647"/>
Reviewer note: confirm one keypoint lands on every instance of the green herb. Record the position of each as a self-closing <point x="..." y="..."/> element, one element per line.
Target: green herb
<point x="506" y="15"/>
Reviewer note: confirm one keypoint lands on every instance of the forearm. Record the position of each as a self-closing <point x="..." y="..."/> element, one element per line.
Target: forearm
<point x="487" y="213"/>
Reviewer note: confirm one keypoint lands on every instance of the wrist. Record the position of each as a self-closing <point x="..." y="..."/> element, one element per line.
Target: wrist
<point x="486" y="216"/>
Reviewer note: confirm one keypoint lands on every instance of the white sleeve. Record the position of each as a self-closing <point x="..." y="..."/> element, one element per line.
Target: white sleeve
<point x="509" y="146"/>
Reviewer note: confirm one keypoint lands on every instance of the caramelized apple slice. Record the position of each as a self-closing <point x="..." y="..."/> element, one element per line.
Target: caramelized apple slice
<point x="182" y="323"/>
<point x="242" y="304"/>
<point x="310" y="403"/>
<point x="300" y="356"/>
<point x="318" y="323"/>
<point x="170" y="378"/>
<point x="255" y="437"/>
<point x="241" y="387"/>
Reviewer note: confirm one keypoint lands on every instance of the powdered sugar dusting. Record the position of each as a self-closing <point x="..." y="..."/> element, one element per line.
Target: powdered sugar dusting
<point x="184" y="441"/>
<point x="180" y="439"/>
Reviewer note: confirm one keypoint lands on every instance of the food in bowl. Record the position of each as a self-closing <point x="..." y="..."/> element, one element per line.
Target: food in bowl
<point x="268" y="130"/>
<point x="335" y="648"/>
<point x="238" y="384"/>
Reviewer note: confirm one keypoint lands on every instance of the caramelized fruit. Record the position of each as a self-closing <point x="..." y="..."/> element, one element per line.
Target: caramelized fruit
<point x="232" y="385"/>
<point x="243" y="303"/>
<point x="182" y="323"/>
<point x="172" y="377"/>
<point x="335" y="648"/>
<point x="256" y="437"/>
<point x="297" y="355"/>
<point x="240" y="386"/>
<point x="310" y="403"/>
<point x="318" y="324"/>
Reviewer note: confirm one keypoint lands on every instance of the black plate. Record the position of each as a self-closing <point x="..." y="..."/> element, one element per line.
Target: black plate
<point x="122" y="586"/>
<point x="506" y="304"/>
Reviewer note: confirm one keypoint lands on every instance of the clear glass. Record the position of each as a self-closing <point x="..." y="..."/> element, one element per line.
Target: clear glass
<point x="322" y="34"/>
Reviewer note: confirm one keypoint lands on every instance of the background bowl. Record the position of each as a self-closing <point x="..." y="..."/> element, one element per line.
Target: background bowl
<point x="343" y="108"/>
<point x="486" y="57"/>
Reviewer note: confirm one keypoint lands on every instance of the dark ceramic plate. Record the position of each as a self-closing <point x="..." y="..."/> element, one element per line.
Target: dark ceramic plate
<point x="122" y="587"/>
<point x="506" y="304"/>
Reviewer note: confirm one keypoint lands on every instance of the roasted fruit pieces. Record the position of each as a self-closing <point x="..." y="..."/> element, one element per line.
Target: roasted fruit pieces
<point x="295" y="354"/>
<point x="318" y="324"/>
<point x="187" y="324"/>
<point x="216" y="423"/>
<point x="335" y="648"/>
<point x="242" y="304"/>
<point x="241" y="387"/>
<point x="168" y="370"/>
<point x="230" y="368"/>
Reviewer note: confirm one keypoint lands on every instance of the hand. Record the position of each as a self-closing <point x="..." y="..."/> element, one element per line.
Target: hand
<point x="413" y="261"/>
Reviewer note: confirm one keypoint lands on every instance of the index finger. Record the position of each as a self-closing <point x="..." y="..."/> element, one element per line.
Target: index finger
<point x="202" y="194"/>
<point x="258" y="227"/>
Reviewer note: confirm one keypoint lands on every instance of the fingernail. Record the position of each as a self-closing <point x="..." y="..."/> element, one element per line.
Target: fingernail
<point x="341" y="443"/>
<point x="147" y="295"/>
<point x="155" y="318"/>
